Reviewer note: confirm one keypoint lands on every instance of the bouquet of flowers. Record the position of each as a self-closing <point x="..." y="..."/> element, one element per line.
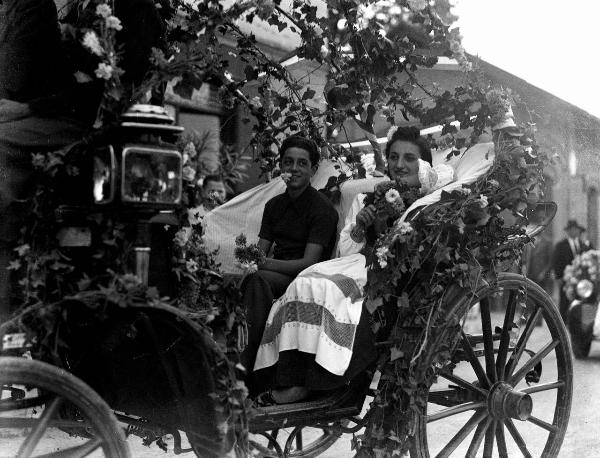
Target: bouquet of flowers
<point x="249" y="257"/>
<point x="585" y="266"/>
<point x="391" y="199"/>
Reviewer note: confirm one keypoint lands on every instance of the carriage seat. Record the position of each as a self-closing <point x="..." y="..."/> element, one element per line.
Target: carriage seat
<point x="244" y="212"/>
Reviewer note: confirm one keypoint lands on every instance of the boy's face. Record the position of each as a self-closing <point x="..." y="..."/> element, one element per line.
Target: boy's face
<point x="296" y="161"/>
<point x="215" y="191"/>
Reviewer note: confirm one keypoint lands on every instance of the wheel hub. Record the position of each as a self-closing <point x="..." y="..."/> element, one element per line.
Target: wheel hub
<point x="506" y="402"/>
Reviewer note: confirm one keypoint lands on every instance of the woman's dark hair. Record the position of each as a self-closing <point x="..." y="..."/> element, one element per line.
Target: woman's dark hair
<point x="412" y="135"/>
<point x="298" y="141"/>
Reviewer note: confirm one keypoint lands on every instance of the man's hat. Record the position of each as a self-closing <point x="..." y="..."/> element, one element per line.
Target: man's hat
<point x="573" y="223"/>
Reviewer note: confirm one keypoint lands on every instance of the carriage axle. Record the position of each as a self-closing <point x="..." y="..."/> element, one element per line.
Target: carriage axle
<point x="505" y="402"/>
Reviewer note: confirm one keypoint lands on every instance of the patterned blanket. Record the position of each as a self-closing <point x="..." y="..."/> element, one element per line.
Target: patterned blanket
<point x="318" y="314"/>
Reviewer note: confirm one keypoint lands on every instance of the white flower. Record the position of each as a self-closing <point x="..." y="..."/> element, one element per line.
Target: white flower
<point x="104" y="71"/>
<point x="191" y="265"/>
<point x="182" y="236"/>
<point x="195" y="215"/>
<point x="405" y="228"/>
<point x="256" y="102"/>
<point x="248" y="267"/>
<point x="382" y="253"/>
<point x="188" y="173"/>
<point x="90" y="41"/>
<point x="417" y="5"/>
<point x="324" y="51"/>
<point x="22" y="250"/>
<point x="483" y="201"/>
<point x="392" y="195"/>
<point x="285" y="176"/>
<point x="113" y="22"/>
<point x="190" y="150"/>
<point x="103" y="10"/>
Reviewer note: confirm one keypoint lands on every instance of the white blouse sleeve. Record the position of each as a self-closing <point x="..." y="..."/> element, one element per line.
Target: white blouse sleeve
<point x="432" y="178"/>
<point x="347" y="246"/>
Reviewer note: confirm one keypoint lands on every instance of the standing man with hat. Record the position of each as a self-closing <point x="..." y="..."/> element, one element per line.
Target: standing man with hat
<point x="563" y="255"/>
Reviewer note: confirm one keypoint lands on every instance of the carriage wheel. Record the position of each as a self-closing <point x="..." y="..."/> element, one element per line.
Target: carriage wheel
<point x="300" y="442"/>
<point x="509" y="392"/>
<point x="33" y="394"/>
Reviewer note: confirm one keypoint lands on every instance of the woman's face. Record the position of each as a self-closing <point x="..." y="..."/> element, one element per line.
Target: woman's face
<point x="403" y="162"/>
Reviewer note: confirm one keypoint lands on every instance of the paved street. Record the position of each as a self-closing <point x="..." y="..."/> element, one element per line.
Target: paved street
<point x="582" y="439"/>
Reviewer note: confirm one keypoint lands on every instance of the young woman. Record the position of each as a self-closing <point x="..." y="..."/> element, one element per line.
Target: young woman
<point x="317" y="336"/>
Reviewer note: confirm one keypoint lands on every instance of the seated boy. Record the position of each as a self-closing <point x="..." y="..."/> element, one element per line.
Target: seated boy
<point x="300" y="224"/>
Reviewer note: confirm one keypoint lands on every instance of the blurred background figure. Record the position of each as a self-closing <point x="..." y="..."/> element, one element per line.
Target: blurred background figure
<point x="537" y="262"/>
<point x="214" y="192"/>
<point x="563" y="255"/>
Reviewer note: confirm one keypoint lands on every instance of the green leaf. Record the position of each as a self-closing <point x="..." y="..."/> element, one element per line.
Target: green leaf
<point x="308" y="94"/>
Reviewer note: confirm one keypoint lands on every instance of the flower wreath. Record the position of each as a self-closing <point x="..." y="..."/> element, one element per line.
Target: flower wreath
<point x="585" y="266"/>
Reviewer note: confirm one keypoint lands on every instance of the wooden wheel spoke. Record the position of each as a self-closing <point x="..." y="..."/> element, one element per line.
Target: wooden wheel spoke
<point x="542" y="424"/>
<point x="501" y="440"/>
<point x="479" y="372"/>
<point x="75" y="452"/>
<point x="509" y="319"/>
<point x="39" y="428"/>
<point x="464" y="384"/>
<point x="488" y="340"/>
<point x="455" y="410"/>
<point x="462" y="434"/>
<point x="488" y="445"/>
<point x="535" y="359"/>
<point x="543" y="387"/>
<point x="520" y="347"/>
<point x="514" y="432"/>
<point x="480" y="433"/>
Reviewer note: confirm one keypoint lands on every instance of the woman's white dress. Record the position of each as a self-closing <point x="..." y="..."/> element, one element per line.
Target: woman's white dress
<point x="321" y="308"/>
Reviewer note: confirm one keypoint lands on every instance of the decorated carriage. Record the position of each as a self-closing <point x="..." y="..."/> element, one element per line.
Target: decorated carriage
<point x="462" y="370"/>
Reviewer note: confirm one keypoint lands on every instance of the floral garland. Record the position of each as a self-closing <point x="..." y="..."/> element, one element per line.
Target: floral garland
<point x="585" y="266"/>
<point x="248" y="257"/>
<point x="445" y="249"/>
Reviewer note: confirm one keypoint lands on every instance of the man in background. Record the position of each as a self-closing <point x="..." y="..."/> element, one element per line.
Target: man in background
<point x="563" y="255"/>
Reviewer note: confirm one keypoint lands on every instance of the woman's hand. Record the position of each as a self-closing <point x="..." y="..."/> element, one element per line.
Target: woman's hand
<point x="366" y="216"/>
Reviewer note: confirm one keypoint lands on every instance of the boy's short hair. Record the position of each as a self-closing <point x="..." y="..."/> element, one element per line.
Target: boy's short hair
<point x="306" y="144"/>
<point x="214" y="178"/>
